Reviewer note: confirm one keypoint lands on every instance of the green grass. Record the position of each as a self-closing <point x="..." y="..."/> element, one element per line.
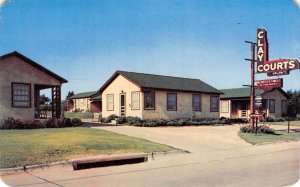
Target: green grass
<point x="27" y="147"/>
<point x="280" y="136"/>
<point x="285" y="123"/>
<point x="80" y="115"/>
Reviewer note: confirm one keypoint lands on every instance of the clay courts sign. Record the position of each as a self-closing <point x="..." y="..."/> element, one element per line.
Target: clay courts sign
<point x="273" y="67"/>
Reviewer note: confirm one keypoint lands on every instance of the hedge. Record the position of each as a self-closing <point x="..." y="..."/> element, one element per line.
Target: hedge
<point x="12" y="123"/>
<point x="136" y="121"/>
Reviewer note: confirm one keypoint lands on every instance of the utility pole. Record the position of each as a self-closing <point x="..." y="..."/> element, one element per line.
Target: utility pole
<point x="252" y="92"/>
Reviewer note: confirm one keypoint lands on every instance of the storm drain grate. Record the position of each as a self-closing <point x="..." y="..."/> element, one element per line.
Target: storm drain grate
<point x="107" y="161"/>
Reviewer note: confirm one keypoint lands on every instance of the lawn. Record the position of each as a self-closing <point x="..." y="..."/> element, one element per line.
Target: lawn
<point x="27" y="147"/>
<point x="80" y="115"/>
<point x="280" y="136"/>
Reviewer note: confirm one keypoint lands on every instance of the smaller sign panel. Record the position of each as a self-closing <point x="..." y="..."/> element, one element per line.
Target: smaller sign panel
<point x="269" y="84"/>
<point x="278" y="73"/>
<point x="258" y="101"/>
<point x="257" y="115"/>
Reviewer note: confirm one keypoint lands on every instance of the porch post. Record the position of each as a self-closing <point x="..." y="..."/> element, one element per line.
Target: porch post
<point x="56" y="101"/>
<point x="52" y="103"/>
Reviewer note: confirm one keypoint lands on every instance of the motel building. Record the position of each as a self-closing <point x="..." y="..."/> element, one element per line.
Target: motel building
<point x="85" y="102"/>
<point x="158" y="97"/>
<point x="235" y="103"/>
<point x="21" y="80"/>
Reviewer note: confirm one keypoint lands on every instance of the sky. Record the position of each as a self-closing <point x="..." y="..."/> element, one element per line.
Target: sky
<point x="86" y="41"/>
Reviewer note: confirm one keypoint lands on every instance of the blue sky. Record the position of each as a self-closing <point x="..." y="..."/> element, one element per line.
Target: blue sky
<point x="87" y="41"/>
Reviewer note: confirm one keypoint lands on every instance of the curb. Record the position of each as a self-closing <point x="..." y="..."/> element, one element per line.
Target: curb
<point x="152" y="156"/>
<point x="7" y="171"/>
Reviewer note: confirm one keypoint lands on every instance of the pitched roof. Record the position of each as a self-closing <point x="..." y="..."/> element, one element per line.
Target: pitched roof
<point x="83" y="95"/>
<point x="161" y="82"/>
<point x="96" y="97"/>
<point x="33" y="63"/>
<point x="239" y="92"/>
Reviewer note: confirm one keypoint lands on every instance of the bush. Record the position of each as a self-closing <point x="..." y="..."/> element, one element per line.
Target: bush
<point x="11" y="123"/>
<point x="260" y="129"/>
<point x="134" y="121"/>
<point x="66" y="122"/>
<point x="52" y="123"/>
<point x="105" y="120"/>
<point x="76" y="122"/>
<point x="121" y="120"/>
<point x="112" y="117"/>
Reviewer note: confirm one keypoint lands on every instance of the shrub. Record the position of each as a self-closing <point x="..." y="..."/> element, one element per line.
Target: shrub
<point x="76" y="122"/>
<point x="260" y="129"/>
<point x="149" y="123"/>
<point x="134" y="121"/>
<point x="112" y="117"/>
<point x="246" y="129"/>
<point x="121" y="120"/>
<point x="105" y="120"/>
<point x="51" y="123"/>
<point x="65" y="122"/>
<point x="11" y="123"/>
<point x="265" y="129"/>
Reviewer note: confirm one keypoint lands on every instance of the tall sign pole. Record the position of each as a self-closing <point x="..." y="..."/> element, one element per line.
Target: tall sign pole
<point x="264" y="65"/>
<point x="252" y="86"/>
<point x="252" y="95"/>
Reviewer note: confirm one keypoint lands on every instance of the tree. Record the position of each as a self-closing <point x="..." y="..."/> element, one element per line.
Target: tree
<point x="70" y="93"/>
<point x="293" y="103"/>
<point x="44" y="99"/>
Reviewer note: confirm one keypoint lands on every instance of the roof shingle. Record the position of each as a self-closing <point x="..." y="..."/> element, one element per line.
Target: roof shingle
<point x="239" y="92"/>
<point x="160" y="82"/>
<point x="83" y="95"/>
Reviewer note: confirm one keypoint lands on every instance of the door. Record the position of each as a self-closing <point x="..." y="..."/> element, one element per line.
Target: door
<point x="122" y="105"/>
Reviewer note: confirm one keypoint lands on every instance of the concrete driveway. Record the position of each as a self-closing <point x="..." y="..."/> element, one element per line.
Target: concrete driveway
<point x="194" y="139"/>
<point x="218" y="158"/>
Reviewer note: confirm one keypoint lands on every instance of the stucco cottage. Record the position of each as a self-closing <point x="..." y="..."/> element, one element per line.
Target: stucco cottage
<point x="21" y="80"/>
<point x="151" y="96"/>
<point x="235" y="103"/>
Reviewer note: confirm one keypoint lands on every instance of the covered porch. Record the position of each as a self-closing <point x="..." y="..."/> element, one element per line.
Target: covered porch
<point x="240" y="108"/>
<point x="41" y="112"/>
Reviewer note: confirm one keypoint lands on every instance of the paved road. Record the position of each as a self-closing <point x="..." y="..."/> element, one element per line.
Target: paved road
<point x="218" y="158"/>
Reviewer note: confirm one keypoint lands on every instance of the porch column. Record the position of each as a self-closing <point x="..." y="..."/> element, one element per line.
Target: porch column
<point x="56" y="101"/>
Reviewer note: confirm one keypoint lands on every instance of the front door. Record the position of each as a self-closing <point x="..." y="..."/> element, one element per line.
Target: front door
<point x="122" y="105"/>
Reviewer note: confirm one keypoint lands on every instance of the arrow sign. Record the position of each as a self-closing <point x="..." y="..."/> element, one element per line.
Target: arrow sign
<point x="257" y="115"/>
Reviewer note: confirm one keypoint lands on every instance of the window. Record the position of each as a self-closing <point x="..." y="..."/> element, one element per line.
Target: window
<point x="135" y="100"/>
<point x="224" y="106"/>
<point x="171" y="101"/>
<point x="149" y="101"/>
<point x="272" y="105"/>
<point x="110" y="102"/>
<point x="196" y="102"/>
<point x="283" y="106"/>
<point x="214" y="103"/>
<point x="21" y="95"/>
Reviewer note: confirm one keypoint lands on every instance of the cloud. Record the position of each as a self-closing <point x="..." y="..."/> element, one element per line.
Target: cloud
<point x="2" y="2"/>
<point x="297" y="2"/>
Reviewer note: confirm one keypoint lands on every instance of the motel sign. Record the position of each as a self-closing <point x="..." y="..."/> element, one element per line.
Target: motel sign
<point x="273" y="67"/>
